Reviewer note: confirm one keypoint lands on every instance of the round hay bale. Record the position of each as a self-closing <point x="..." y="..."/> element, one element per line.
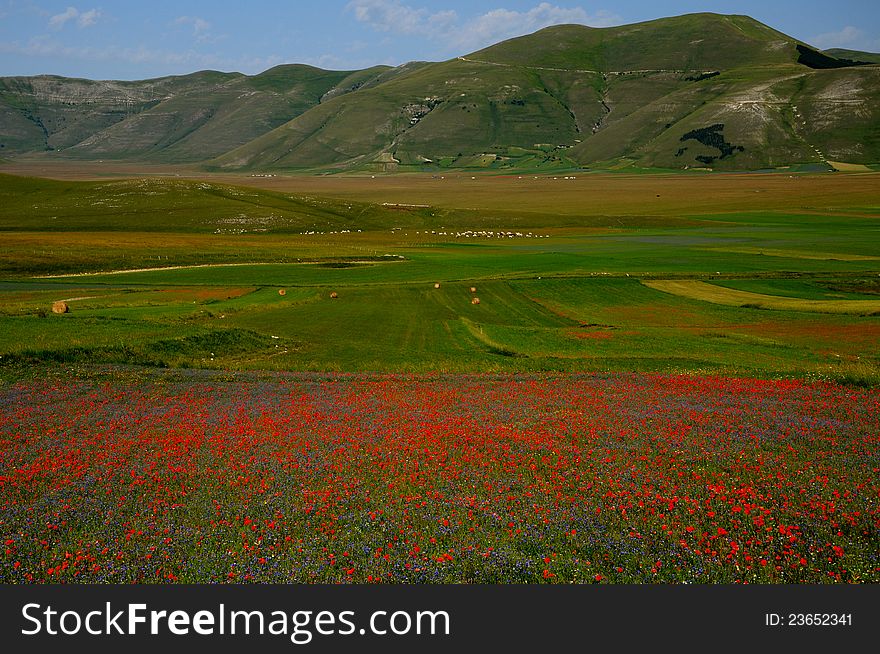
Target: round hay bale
<point x="436" y="285"/>
<point x="334" y="295"/>
<point x="60" y="307"/>
<point x="473" y="289"/>
<point x="282" y="292"/>
<point x="476" y="300"/>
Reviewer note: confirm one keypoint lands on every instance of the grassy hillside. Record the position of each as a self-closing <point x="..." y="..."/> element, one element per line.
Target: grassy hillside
<point x="701" y="90"/>
<point x="854" y="55"/>
<point x="175" y="119"/>
<point x="441" y="112"/>
<point x="50" y="112"/>
<point x="755" y="118"/>
<point x="695" y="91"/>
<point x="693" y="42"/>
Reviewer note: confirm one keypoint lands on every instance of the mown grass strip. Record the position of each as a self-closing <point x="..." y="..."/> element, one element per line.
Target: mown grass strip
<point x="699" y="290"/>
<point x="796" y="254"/>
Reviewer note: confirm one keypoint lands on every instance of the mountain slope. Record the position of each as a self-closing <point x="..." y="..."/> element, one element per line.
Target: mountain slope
<point x="701" y="90"/>
<point x="854" y="55"/>
<point x="648" y="94"/>
<point x="690" y="42"/>
<point x="751" y="119"/>
<point x="436" y="111"/>
<point x="187" y="118"/>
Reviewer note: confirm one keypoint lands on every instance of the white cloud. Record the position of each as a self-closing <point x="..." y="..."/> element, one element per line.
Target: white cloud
<point x="88" y="18"/>
<point x="182" y="61"/>
<point x="83" y="18"/>
<point x="395" y="17"/>
<point x="201" y="28"/>
<point x="57" y="21"/>
<point x="847" y="36"/>
<point x="501" y="24"/>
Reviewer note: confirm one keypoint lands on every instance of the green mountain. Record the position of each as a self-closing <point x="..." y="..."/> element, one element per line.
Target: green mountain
<point x="175" y="119"/>
<point x="854" y="55"/>
<point x="701" y="90"/>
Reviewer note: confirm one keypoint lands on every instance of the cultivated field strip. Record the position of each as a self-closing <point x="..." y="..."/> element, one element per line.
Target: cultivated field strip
<point x="699" y="290"/>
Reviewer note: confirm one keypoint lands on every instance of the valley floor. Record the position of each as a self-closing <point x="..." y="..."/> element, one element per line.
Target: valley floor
<point x="413" y="379"/>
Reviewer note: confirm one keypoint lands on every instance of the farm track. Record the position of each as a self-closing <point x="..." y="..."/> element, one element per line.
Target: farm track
<point x="123" y="271"/>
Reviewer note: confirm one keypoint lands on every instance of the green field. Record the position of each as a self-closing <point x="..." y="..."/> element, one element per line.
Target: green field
<point x="172" y="272"/>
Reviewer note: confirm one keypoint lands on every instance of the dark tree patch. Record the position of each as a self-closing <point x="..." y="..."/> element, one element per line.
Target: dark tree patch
<point x="713" y="137"/>
<point x="702" y="76"/>
<point x="818" y="60"/>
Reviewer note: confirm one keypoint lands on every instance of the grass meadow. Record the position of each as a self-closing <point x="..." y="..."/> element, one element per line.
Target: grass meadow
<point x="177" y="272"/>
<point x="604" y="379"/>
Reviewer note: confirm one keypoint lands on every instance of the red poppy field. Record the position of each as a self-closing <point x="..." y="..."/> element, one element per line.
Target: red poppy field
<point x="608" y="478"/>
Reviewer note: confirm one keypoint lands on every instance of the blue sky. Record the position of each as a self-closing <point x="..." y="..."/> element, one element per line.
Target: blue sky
<point x="102" y="39"/>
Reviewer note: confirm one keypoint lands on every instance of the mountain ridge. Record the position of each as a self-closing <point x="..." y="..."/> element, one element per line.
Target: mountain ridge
<point x="699" y="90"/>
